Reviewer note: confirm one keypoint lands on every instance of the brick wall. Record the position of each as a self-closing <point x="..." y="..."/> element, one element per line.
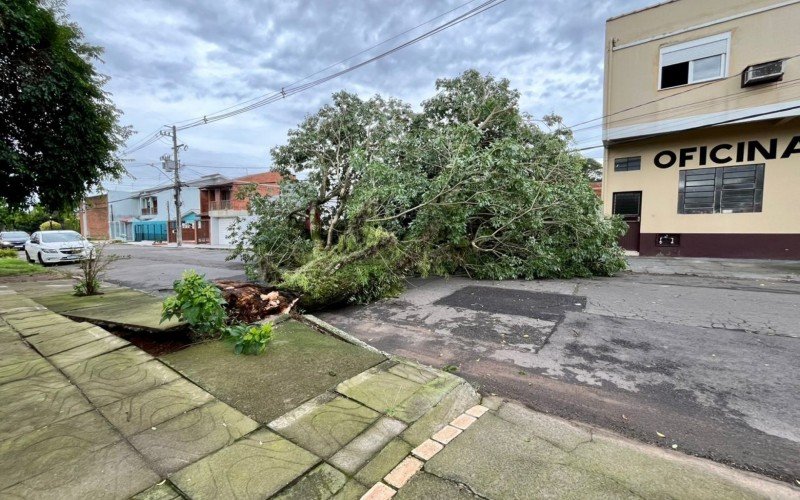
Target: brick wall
<point x="94" y="222"/>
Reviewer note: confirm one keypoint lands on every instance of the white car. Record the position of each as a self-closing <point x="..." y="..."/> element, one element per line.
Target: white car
<point x="50" y="247"/>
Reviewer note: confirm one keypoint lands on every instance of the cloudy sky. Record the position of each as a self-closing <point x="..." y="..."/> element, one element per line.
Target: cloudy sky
<point x="173" y="60"/>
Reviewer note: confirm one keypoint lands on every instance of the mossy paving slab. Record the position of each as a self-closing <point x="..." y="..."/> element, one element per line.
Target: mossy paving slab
<point x="34" y="402"/>
<point x="113" y="472"/>
<point x="299" y="364"/>
<point x="383" y="463"/>
<point x="23" y="370"/>
<point x="424" y="485"/>
<point x="187" y="438"/>
<point x="86" y="351"/>
<point x="358" y="451"/>
<point x="148" y="409"/>
<point x="12" y="353"/>
<point x="380" y="390"/>
<point x="104" y="382"/>
<point x="456" y="402"/>
<point x="257" y="466"/>
<point x="159" y="491"/>
<point x="63" y="442"/>
<point x="51" y="344"/>
<point x="320" y="484"/>
<point x="326" y="427"/>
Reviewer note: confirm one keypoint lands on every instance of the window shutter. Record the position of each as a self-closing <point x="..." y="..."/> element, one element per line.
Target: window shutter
<point x="671" y="56"/>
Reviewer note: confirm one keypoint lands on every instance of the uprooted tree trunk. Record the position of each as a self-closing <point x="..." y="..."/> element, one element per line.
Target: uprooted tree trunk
<point x="251" y="302"/>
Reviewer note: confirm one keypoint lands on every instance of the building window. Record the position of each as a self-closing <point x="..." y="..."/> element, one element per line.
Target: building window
<point x="149" y="205"/>
<point x="626" y="164"/>
<point x="696" y="61"/>
<point x="627" y="204"/>
<point x="722" y="190"/>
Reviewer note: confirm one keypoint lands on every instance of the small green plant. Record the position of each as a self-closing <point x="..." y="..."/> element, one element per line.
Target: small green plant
<point x="93" y="268"/>
<point x="8" y="253"/>
<point x="450" y="368"/>
<point x="198" y="302"/>
<point x="249" y="339"/>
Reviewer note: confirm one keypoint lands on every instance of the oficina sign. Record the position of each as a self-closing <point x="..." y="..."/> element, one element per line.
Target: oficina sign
<point x="745" y="151"/>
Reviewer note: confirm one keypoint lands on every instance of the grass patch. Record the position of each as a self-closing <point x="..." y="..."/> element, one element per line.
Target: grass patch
<point x="18" y="267"/>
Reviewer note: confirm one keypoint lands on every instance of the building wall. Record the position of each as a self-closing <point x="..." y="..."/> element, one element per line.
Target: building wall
<point x="94" y="217"/>
<point x="775" y="230"/>
<point x="632" y="72"/>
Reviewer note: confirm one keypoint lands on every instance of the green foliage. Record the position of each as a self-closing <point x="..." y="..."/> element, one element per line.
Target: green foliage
<point x="49" y="225"/>
<point x="249" y="339"/>
<point x="18" y="267"/>
<point x="468" y="185"/>
<point x="8" y="253"/>
<point x="197" y="302"/>
<point x="30" y="218"/>
<point x="86" y="287"/>
<point x="59" y="134"/>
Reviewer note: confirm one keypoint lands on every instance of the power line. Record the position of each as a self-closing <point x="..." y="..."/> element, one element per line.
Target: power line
<point x="336" y="63"/>
<point x="707" y="125"/>
<point x="483" y="7"/>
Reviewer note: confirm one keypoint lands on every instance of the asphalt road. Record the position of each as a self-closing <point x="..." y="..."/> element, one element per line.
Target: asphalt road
<point x="709" y="363"/>
<point x="154" y="269"/>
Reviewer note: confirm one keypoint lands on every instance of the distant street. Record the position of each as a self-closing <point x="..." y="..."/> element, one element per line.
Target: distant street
<point x="153" y="269"/>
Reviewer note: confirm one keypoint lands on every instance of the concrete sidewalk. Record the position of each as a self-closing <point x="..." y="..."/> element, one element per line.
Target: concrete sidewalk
<point x="755" y="269"/>
<point x="83" y="414"/>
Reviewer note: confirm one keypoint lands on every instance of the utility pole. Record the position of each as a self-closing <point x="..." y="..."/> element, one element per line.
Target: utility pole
<point x="176" y="167"/>
<point x="178" y="222"/>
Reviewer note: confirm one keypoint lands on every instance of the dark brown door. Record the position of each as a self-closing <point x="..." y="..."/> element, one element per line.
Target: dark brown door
<point x="628" y="205"/>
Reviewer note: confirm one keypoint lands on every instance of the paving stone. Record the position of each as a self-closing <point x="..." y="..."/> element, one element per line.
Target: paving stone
<point x="477" y="411"/>
<point x="403" y="472"/>
<point x="379" y="491"/>
<point x="358" y="451"/>
<point x="60" y="326"/>
<point x="447" y="434"/>
<point x="159" y="491"/>
<point x="380" y="390"/>
<point x="31" y="325"/>
<point x="115" y="471"/>
<point x="383" y="463"/>
<point x="62" y="442"/>
<point x="325" y="428"/>
<point x="12" y="353"/>
<point x="257" y="466"/>
<point x="492" y="402"/>
<point x="424" y="485"/>
<point x="114" y="376"/>
<point x="25" y="369"/>
<point x="414" y="372"/>
<point x="650" y="472"/>
<point x="320" y="484"/>
<point x="427" y="449"/>
<point x="498" y="459"/>
<point x="561" y="433"/>
<point x="148" y="409"/>
<point x="463" y="421"/>
<point x="34" y="402"/>
<point x="50" y="344"/>
<point x="428" y="396"/>
<point x="86" y="351"/>
<point x="187" y="438"/>
<point x="352" y="490"/>
<point x="306" y="362"/>
<point x="452" y="405"/>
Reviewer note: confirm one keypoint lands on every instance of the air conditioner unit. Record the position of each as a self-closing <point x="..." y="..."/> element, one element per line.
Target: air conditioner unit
<point x="762" y="73"/>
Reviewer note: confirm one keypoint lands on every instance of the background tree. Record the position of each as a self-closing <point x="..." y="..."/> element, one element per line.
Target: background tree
<point x="592" y="169"/>
<point x="59" y="130"/>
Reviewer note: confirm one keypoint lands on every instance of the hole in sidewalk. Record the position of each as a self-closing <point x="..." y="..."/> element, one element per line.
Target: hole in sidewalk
<point x="154" y="343"/>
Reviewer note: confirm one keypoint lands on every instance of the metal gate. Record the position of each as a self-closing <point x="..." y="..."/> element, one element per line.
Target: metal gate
<point x="150" y="231"/>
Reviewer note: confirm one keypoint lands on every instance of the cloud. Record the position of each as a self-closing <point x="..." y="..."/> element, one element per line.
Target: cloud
<point x="172" y="60"/>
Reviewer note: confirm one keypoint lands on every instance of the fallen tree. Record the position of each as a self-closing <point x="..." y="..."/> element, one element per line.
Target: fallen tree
<point x="468" y="185"/>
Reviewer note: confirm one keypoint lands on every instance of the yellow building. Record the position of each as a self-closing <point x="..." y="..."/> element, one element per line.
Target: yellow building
<point x="701" y="128"/>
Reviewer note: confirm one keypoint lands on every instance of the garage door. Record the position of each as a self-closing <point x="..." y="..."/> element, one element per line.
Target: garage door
<point x="224" y="226"/>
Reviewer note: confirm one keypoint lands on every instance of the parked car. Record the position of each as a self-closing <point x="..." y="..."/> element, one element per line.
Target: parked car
<point x="13" y="239"/>
<point x="49" y="247"/>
